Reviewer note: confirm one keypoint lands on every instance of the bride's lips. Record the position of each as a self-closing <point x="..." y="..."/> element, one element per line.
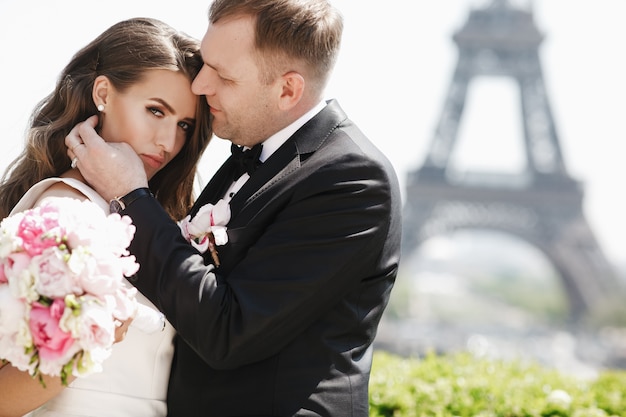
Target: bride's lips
<point x="155" y="161"/>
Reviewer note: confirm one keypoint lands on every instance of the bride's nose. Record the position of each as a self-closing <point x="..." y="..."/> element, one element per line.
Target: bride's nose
<point x="166" y="137"/>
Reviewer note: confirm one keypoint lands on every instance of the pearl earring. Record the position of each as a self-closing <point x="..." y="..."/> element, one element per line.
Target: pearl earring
<point x="100" y="107"/>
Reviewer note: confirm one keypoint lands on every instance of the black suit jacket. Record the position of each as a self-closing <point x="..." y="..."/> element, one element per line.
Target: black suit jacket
<point x="285" y="325"/>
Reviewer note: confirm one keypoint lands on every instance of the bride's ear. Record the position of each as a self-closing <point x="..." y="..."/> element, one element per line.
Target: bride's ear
<point x="100" y="93"/>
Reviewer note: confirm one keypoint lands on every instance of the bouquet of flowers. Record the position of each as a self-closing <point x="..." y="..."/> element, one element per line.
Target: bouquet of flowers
<point x="62" y="289"/>
<point x="208" y="228"/>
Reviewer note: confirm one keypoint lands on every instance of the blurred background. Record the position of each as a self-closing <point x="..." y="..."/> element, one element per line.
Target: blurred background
<point x="473" y="288"/>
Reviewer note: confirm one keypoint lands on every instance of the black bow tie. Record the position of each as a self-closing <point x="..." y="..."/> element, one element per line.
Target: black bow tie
<point x="245" y="160"/>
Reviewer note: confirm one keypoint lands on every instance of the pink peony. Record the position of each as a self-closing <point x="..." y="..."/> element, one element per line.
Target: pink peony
<point x="51" y="342"/>
<point x="15" y="263"/>
<point x="120" y="233"/>
<point x="94" y="326"/>
<point x="96" y="276"/>
<point x="124" y="302"/>
<point x="53" y="278"/>
<point x="39" y="229"/>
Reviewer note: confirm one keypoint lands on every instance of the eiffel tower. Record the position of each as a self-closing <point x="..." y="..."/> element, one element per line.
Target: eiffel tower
<point x="543" y="205"/>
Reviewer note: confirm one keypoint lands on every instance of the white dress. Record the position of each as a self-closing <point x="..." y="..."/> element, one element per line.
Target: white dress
<point x="135" y="376"/>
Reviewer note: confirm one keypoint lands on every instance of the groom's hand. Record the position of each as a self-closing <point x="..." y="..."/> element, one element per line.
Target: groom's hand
<point x="112" y="169"/>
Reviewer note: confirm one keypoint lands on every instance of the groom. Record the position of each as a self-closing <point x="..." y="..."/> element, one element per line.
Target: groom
<point x="284" y="325"/>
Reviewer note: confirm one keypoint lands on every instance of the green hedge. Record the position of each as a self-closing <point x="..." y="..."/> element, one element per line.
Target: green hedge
<point x="460" y="385"/>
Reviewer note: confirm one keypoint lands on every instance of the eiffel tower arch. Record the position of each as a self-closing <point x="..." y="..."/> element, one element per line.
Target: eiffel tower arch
<point x="543" y="205"/>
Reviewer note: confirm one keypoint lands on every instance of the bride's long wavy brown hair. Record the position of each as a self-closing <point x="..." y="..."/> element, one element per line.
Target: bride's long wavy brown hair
<point x="123" y="53"/>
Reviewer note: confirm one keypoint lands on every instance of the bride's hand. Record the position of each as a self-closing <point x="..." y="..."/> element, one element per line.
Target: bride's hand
<point x="121" y="327"/>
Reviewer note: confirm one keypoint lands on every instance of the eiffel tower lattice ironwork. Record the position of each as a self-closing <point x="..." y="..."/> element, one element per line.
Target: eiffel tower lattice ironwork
<point x="545" y="205"/>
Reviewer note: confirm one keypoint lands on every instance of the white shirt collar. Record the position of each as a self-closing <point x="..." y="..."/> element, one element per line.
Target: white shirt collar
<point x="273" y="142"/>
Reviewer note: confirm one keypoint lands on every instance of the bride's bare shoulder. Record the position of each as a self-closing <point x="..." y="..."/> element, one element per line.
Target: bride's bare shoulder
<point x="60" y="189"/>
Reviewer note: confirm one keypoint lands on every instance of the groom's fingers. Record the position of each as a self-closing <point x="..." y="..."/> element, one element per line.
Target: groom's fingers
<point x="84" y="131"/>
<point x="111" y="168"/>
<point x="87" y="132"/>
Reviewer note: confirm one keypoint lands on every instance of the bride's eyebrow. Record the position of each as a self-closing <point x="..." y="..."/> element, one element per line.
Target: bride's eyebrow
<point x="164" y="104"/>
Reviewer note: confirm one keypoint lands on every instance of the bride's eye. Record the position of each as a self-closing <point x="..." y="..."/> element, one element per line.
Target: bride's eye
<point x="155" y="111"/>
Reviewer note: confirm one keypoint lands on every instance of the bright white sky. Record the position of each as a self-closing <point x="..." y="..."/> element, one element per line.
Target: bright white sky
<point x="392" y="77"/>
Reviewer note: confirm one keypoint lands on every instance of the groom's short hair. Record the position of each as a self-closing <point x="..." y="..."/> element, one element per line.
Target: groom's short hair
<point x="308" y="32"/>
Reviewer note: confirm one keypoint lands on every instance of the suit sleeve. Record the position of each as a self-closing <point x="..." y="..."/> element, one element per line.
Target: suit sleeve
<point x="324" y="242"/>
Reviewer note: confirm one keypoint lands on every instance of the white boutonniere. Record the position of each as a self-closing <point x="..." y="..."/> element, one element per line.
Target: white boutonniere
<point x="208" y="228"/>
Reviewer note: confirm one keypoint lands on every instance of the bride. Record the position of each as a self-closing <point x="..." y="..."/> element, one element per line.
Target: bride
<point x="136" y="76"/>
